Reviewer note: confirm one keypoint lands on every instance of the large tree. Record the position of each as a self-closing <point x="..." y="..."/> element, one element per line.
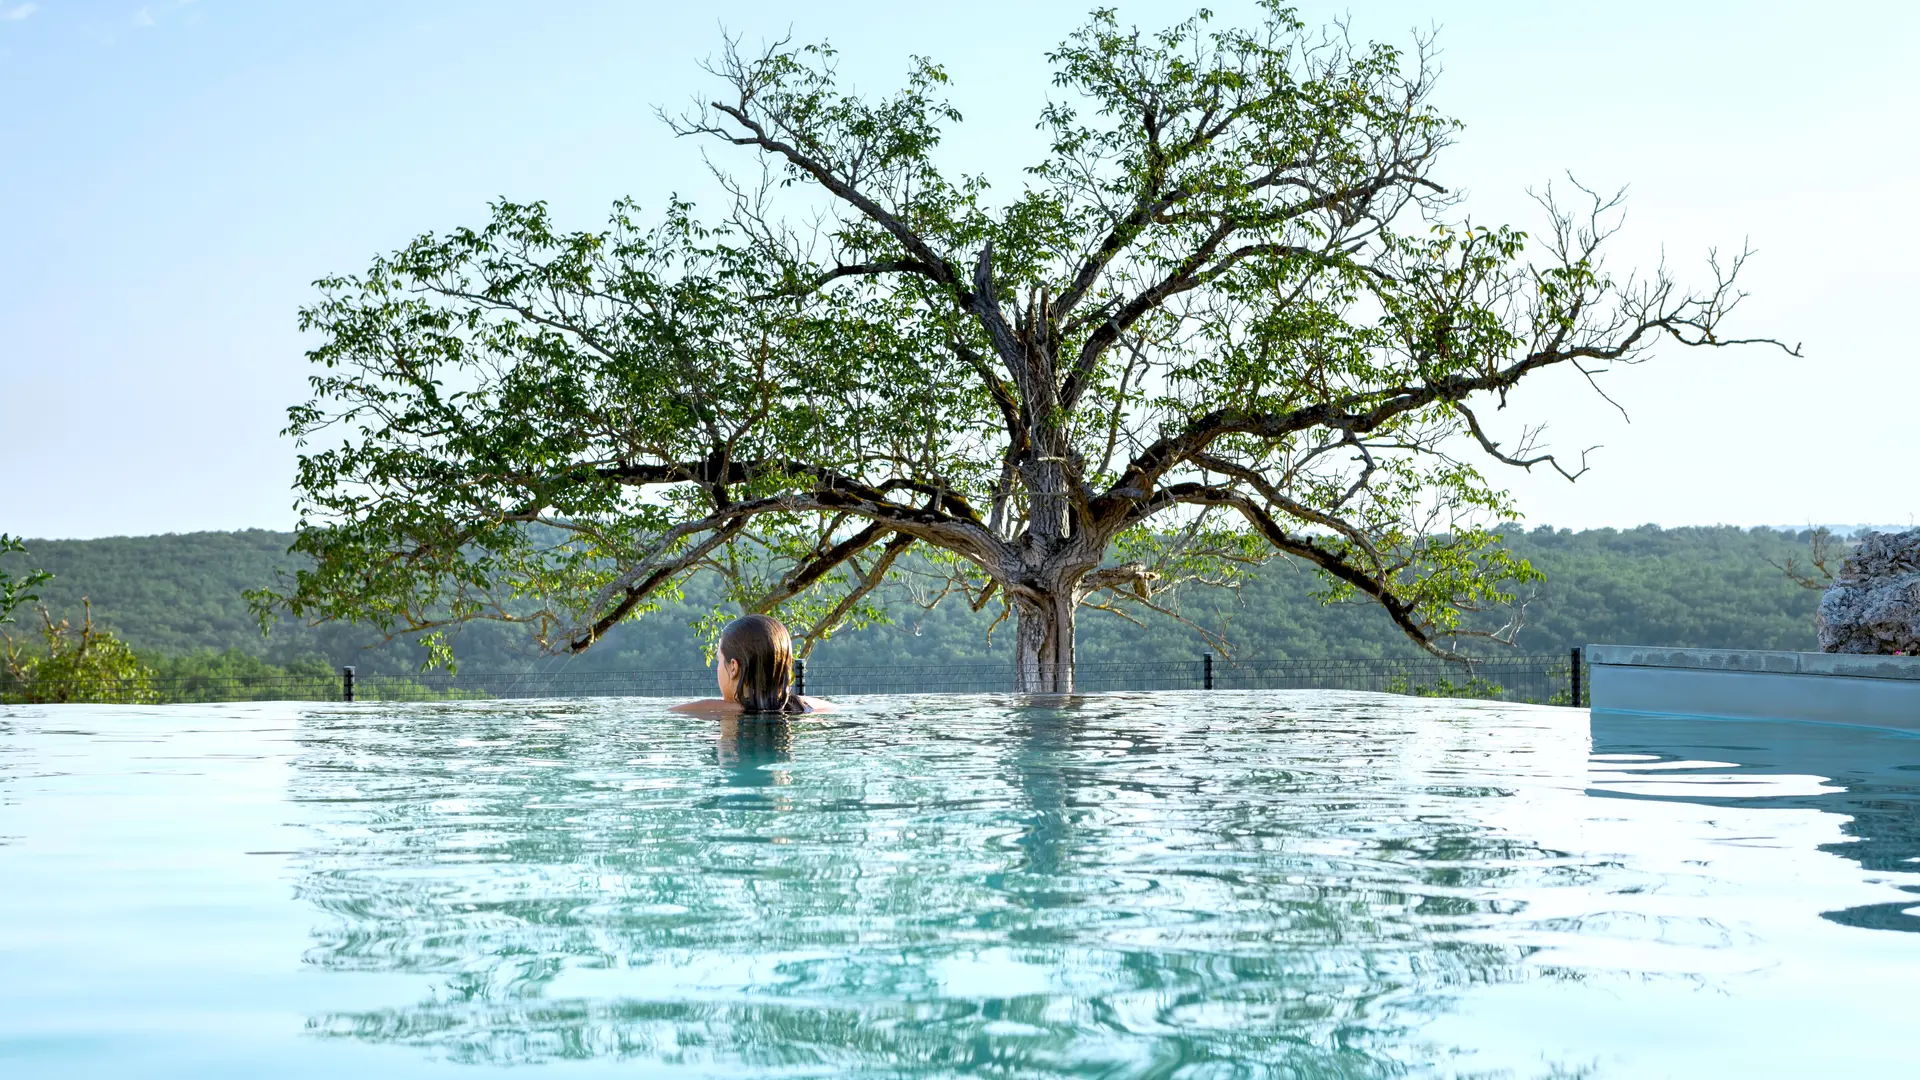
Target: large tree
<point x="1230" y="315"/>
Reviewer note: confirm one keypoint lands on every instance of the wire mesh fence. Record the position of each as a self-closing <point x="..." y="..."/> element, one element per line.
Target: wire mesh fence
<point x="182" y="691"/>
<point x="1538" y="679"/>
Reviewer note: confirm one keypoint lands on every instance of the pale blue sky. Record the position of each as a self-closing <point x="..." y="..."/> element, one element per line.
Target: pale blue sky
<point x="174" y="175"/>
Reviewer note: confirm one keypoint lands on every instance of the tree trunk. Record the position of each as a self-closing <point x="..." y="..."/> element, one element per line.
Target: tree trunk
<point x="1043" y="643"/>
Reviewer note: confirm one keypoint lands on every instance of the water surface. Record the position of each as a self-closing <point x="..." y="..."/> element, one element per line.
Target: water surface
<point x="1292" y="884"/>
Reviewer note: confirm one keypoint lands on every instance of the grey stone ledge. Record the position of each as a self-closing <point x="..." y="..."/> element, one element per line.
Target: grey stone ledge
<point x="1849" y="665"/>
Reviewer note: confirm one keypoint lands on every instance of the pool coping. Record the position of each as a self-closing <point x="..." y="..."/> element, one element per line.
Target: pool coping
<point x="1850" y="665"/>
<point x="1754" y="684"/>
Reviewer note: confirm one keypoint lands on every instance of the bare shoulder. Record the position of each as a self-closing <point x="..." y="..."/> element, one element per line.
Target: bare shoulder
<point x="818" y="704"/>
<point x="710" y="706"/>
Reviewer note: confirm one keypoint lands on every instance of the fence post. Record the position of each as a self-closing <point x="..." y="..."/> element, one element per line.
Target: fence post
<point x="1206" y="671"/>
<point x="799" y="675"/>
<point x="346" y="684"/>
<point x="1576" y="676"/>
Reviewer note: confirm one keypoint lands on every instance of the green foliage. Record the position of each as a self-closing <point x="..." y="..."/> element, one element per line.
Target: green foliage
<point x="403" y="689"/>
<point x="1230" y="315"/>
<point x="177" y="594"/>
<point x="177" y="600"/>
<point x="211" y="665"/>
<point x="89" y="665"/>
<point x="15" y="592"/>
<point x="233" y="675"/>
<point x="1472" y="687"/>
<point x="1685" y="588"/>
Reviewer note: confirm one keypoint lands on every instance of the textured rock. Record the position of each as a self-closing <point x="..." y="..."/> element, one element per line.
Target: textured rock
<point x="1874" y="605"/>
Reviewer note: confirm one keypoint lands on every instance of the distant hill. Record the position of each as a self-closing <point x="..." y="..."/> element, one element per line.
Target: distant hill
<point x="1692" y="587"/>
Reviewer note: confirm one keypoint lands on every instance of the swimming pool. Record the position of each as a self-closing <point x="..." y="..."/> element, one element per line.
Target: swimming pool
<point x="1295" y="883"/>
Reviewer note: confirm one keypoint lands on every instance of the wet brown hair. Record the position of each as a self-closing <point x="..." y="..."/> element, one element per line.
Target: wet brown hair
<point x="764" y="651"/>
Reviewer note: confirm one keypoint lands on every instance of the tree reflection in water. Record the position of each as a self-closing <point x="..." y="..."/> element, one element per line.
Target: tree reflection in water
<point x="1119" y="883"/>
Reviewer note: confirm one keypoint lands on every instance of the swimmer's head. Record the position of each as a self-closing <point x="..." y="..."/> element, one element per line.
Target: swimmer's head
<point x="754" y="663"/>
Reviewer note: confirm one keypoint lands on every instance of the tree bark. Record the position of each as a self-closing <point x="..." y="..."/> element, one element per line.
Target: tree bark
<point x="1043" y="641"/>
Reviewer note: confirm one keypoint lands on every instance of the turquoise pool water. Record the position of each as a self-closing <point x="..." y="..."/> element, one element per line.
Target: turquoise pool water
<point x="1289" y="884"/>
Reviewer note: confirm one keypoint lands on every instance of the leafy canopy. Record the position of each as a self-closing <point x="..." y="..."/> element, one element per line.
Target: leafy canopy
<point x="1230" y="315"/>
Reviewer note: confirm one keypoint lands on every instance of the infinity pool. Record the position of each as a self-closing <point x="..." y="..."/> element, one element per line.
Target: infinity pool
<point x="1288" y="884"/>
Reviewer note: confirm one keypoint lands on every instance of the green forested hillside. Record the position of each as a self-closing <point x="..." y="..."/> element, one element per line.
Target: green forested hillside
<point x="1700" y="587"/>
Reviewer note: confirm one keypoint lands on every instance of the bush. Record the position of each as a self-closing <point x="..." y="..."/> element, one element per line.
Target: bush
<point x="91" y="666"/>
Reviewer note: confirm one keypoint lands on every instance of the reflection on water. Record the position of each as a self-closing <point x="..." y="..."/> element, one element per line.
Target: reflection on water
<point x="8" y="752"/>
<point x="1870" y="776"/>
<point x="1181" y="885"/>
<point x="1115" y="885"/>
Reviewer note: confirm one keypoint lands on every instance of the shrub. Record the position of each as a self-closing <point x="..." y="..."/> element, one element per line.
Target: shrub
<point x="89" y="665"/>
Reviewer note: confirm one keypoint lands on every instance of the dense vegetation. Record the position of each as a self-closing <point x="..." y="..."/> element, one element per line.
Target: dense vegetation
<point x="176" y="599"/>
<point x="66" y="665"/>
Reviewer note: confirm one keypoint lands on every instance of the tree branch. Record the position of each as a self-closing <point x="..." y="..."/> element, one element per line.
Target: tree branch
<point x="936" y="267"/>
<point x="869" y="581"/>
<point x="801" y="578"/>
<point x="1335" y="565"/>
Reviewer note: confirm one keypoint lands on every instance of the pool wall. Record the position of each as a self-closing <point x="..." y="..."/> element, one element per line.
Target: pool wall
<point x="1743" y="684"/>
